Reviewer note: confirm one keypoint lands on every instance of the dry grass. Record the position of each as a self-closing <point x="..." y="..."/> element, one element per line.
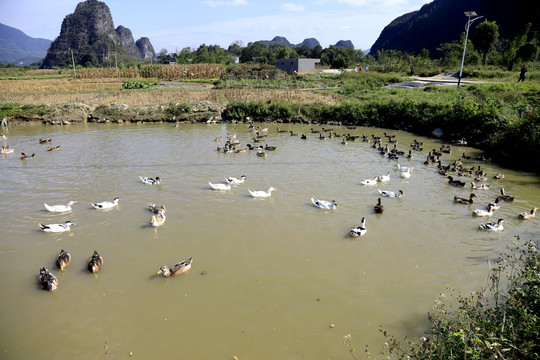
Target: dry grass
<point x="57" y="85"/>
<point x="95" y="92"/>
<point x="162" y="72"/>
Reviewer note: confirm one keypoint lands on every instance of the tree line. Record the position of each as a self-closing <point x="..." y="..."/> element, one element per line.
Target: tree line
<point x="484" y="47"/>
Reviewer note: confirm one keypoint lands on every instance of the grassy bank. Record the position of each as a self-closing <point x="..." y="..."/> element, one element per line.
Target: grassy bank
<point x="500" y="116"/>
<point x="501" y="321"/>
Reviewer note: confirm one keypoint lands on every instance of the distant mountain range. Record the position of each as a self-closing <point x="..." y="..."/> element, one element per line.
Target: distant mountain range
<point x="310" y="42"/>
<point x="443" y="21"/>
<point x="18" y="48"/>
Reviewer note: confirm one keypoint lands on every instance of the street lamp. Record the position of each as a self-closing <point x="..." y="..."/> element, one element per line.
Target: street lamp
<point x="469" y="14"/>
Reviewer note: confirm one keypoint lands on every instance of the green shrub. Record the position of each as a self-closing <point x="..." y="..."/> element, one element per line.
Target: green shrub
<point x="139" y="84"/>
<point x="500" y="322"/>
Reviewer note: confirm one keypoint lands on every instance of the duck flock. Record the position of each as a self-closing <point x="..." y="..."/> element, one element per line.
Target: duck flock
<point x="386" y="146"/>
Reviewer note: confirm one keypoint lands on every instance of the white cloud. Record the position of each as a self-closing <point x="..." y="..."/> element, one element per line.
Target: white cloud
<point x="213" y="3"/>
<point x="292" y="7"/>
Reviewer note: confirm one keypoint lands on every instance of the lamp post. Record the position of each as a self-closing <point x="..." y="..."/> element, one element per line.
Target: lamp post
<point x="469" y="14"/>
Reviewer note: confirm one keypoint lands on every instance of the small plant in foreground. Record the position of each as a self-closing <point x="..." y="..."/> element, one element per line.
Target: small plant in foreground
<point x="499" y="322"/>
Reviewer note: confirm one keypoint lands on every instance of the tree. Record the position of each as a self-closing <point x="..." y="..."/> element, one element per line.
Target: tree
<point x="485" y="37"/>
<point x="316" y="52"/>
<point x="337" y="57"/>
<point x="527" y="52"/>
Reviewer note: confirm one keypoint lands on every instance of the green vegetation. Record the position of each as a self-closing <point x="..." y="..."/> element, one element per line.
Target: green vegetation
<point x="22" y="111"/>
<point x="499" y="322"/>
<point x="139" y="84"/>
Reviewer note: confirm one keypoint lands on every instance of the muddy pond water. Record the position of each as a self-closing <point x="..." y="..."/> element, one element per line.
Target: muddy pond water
<point x="271" y="277"/>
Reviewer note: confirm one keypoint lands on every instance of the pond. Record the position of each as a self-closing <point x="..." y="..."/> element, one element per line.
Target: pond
<point x="271" y="277"/>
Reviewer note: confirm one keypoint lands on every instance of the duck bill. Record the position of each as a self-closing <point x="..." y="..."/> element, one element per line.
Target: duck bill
<point x="159" y="271"/>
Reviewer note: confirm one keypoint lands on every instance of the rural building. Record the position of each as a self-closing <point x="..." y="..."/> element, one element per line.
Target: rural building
<point x="297" y="66"/>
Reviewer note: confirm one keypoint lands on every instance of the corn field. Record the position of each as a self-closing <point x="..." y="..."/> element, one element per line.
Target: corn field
<point x="161" y="72"/>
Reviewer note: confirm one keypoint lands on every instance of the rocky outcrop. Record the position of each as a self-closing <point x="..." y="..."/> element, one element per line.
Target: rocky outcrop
<point x="146" y="50"/>
<point x="345" y="44"/>
<point x="125" y="40"/>
<point x="90" y="34"/>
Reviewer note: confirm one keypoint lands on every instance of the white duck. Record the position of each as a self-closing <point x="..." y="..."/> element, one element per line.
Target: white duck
<point x="261" y="193"/>
<point x="59" y="208"/>
<point x="484" y="186"/>
<point x="406" y="174"/>
<point x="484" y="212"/>
<point x="220" y="186"/>
<point x="359" y="230"/>
<point x="491" y="226"/>
<point x="403" y="168"/>
<point x="391" y="193"/>
<point x="158" y="220"/>
<point x="57" y="227"/>
<point x="324" y="204"/>
<point x="384" y="177"/>
<point x="369" y="182"/>
<point x="106" y="204"/>
<point x="233" y="180"/>
<point x="150" y="181"/>
<point x="7" y="150"/>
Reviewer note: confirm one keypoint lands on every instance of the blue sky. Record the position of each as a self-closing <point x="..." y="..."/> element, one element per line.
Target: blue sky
<point x="176" y="24"/>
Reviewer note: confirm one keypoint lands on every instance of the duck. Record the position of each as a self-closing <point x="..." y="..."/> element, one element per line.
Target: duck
<point x="464" y="200"/>
<point x="479" y="186"/>
<point x="453" y="182"/>
<point x="281" y="131"/>
<point x="59" y="208"/>
<point x="258" y="147"/>
<point x="45" y="141"/>
<point x="96" y="263"/>
<point x="150" y="181"/>
<point x="7" y="150"/>
<point x="496" y="205"/>
<point x="505" y="197"/>
<point x="63" y="259"/>
<point x="47" y="280"/>
<point x="158" y="219"/>
<point x="499" y="176"/>
<point x="261" y="153"/>
<point x="384" y="177"/>
<point x="483" y="212"/>
<point x="233" y="180"/>
<point x="270" y="148"/>
<point x="175" y="269"/>
<point x="303" y="137"/>
<point x="292" y="133"/>
<point x="403" y="168"/>
<point x="156" y="208"/>
<point x="324" y="204"/>
<point x="359" y="230"/>
<point x="261" y="193"/>
<point x="391" y="193"/>
<point x="378" y="208"/>
<point x="369" y="182"/>
<point x="528" y="215"/>
<point x="106" y="204"/>
<point x="461" y="142"/>
<point x="220" y="186"/>
<point x="54" y="228"/>
<point x="406" y="174"/>
<point x="492" y="226"/>
<point x="3" y="136"/>
<point x="27" y="157"/>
